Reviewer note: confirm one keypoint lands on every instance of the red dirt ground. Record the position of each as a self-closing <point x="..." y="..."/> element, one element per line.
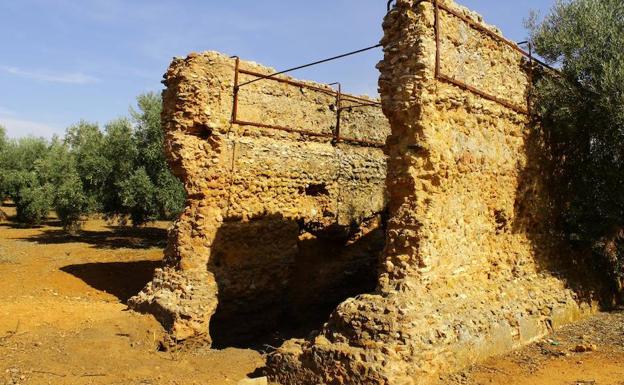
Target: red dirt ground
<point x="63" y="320"/>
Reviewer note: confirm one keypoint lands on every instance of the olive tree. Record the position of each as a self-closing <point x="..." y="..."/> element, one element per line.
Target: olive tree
<point x="169" y="193"/>
<point x="21" y="182"/>
<point x="120" y="171"/>
<point x="582" y="111"/>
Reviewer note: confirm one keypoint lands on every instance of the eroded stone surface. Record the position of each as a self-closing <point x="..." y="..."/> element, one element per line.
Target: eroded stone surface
<point x="278" y="225"/>
<point x="474" y="265"/>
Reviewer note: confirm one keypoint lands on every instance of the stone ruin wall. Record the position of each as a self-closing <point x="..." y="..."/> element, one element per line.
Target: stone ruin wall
<point x="278" y="226"/>
<point x="473" y="265"/>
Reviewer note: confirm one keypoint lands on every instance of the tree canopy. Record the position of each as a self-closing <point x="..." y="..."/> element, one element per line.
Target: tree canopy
<point x="582" y="110"/>
<point x="120" y="171"/>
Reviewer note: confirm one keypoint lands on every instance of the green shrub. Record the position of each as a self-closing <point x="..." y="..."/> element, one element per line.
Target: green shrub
<point x="70" y="202"/>
<point x="138" y="197"/>
<point x="34" y="204"/>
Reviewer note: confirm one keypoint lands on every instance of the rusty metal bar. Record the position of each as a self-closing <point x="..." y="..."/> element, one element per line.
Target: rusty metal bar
<point x="368" y="143"/>
<point x="493" y="35"/>
<point x="529" y="100"/>
<point x="340" y="97"/>
<point x="487" y="31"/>
<point x="338" y="112"/>
<point x="484" y="95"/>
<point x="308" y="133"/>
<point x="296" y="83"/>
<point x="236" y="88"/>
<point x="360" y="106"/>
<point x="355" y="99"/>
<point x="312" y="64"/>
<point x="291" y="82"/>
<point x="282" y="128"/>
<point x="438" y="67"/>
<point x="481" y="28"/>
<point x="530" y="90"/>
<point x="436" y="27"/>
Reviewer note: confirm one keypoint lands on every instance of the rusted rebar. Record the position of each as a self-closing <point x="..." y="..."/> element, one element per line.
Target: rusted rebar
<point x="312" y="64"/>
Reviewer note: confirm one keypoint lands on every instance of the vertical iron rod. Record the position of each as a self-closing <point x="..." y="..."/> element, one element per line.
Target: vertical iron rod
<point x="436" y="25"/>
<point x="529" y="100"/>
<point x="338" y="111"/>
<point x="236" y="89"/>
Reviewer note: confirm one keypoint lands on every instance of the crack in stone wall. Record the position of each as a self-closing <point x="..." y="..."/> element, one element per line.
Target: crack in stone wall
<point x="278" y="227"/>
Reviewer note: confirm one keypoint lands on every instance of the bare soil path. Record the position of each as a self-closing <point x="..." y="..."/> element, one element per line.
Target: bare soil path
<point x="63" y="320"/>
<point x="587" y="353"/>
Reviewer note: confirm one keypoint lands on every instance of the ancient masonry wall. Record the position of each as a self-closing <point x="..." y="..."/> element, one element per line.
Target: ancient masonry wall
<point x="278" y="225"/>
<point x="473" y="264"/>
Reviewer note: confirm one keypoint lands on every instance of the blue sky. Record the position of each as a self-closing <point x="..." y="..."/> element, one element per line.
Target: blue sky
<point x="66" y="60"/>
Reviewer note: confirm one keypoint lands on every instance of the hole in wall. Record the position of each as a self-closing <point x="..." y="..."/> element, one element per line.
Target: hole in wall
<point x="278" y="281"/>
<point x="500" y="217"/>
<point x="201" y="131"/>
<point x="314" y="190"/>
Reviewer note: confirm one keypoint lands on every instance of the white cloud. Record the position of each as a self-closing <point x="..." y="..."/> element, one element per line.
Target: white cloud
<point x="48" y="76"/>
<point x="17" y="128"/>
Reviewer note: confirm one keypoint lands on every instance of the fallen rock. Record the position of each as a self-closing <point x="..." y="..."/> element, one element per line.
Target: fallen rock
<point x="584" y="348"/>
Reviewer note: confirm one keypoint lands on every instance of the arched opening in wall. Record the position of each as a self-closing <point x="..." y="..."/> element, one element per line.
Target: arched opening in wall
<point x="278" y="280"/>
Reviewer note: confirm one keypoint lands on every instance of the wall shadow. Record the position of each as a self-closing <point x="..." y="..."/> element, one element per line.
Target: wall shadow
<point x="117" y="237"/>
<point x="277" y="281"/>
<point x="121" y="279"/>
<point x="538" y="213"/>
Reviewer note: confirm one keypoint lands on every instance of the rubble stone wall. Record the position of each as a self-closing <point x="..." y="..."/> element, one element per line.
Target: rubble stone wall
<point x="278" y="225"/>
<point x="474" y="265"/>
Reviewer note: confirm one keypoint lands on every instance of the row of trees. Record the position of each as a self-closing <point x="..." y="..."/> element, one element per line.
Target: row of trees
<point x="582" y="112"/>
<point x="119" y="171"/>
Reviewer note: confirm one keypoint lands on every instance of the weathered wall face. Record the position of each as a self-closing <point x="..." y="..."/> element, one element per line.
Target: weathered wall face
<point x="277" y="224"/>
<point x="473" y="264"/>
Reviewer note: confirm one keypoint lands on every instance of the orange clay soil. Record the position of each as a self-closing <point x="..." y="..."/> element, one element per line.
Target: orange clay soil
<point x="63" y="320"/>
<point x="587" y="353"/>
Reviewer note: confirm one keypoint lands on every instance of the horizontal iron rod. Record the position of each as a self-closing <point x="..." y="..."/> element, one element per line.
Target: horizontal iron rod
<point x="311" y="64"/>
<point x="328" y="91"/>
<point x="309" y="133"/>
<point x="438" y="69"/>
<point x="477" y="26"/>
<point x="359" y="106"/>
<point x="483" y="94"/>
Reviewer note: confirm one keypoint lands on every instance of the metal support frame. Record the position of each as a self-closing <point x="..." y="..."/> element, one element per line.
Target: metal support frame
<point x="448" y="79"/>
<point x="340" y="99"/>
<point x="338" y="112"/>
<point x="270" y="76"/>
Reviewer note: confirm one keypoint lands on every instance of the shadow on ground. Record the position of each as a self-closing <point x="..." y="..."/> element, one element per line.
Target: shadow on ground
<point x="121" y="279"/>
<point x="11" y="223"/>
<point x="116" y="237"/>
